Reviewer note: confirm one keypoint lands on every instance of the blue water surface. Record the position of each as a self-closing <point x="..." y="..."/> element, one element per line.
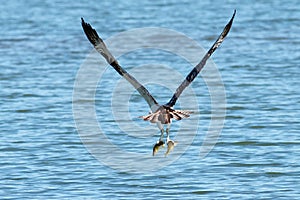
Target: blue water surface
<point x="257" y="155"/>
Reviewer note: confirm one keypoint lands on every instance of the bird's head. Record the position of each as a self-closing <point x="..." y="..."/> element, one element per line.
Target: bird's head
<point x="156" y="147"/>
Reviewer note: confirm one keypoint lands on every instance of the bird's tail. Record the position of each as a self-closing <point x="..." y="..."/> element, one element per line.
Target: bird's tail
<point x="165" y="118"/>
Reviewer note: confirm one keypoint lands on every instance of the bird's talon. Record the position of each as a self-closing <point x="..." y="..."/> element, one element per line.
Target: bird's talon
<point x="156" y="147"/>
<point x="171" y="144"/>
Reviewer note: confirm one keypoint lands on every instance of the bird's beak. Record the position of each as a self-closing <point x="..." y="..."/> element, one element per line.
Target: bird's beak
<point x="171" y="144"/>
<point x="156" y="147"/>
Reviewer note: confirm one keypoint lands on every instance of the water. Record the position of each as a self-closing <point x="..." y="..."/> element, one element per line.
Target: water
<point x="257" y="155"/>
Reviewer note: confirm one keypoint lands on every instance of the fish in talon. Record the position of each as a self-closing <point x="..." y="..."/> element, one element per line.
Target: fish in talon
<point x="171" y="144"/>
<point x="157" y="146"/>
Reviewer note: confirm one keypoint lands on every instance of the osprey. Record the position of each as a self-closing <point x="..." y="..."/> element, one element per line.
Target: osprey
<point x="162" y="115"/>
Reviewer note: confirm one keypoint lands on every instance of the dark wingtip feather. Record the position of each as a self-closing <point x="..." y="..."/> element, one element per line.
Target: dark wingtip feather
<point x="190" y="77"/>
<point x="228" y="26"/>
<point x="231" y="20"/>
<point x="90" y="33"/>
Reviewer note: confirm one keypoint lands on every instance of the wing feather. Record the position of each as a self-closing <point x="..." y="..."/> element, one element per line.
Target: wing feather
<point x="193" y="74"/>
<point x="100" y="46"/>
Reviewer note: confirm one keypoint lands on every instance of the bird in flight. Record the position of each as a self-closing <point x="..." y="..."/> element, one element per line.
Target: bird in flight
<point x="162" y="115"/>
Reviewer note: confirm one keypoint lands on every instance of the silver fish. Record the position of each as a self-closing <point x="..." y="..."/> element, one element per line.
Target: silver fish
<point x="157" y="146"/>
<point x="171" y="144"/>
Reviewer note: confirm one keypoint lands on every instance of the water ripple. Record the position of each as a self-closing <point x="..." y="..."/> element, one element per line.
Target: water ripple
<point x="257" y="155"/>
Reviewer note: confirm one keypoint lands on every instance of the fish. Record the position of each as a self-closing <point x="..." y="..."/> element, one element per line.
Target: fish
<point x="171" y="144"/>
<point x="157" y="146"/>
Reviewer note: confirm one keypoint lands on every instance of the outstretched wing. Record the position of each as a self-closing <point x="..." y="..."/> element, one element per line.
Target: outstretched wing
<point x="192" y="75"/>
<point x="99" y="45"/>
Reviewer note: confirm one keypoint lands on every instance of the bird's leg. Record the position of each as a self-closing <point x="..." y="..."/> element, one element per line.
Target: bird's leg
<point x="161" y="128"/>
<point x="168" y="130"/>
<point x="169" y="142"/>
<point x="160" y="142"/>
<point x="161" y="134"/>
